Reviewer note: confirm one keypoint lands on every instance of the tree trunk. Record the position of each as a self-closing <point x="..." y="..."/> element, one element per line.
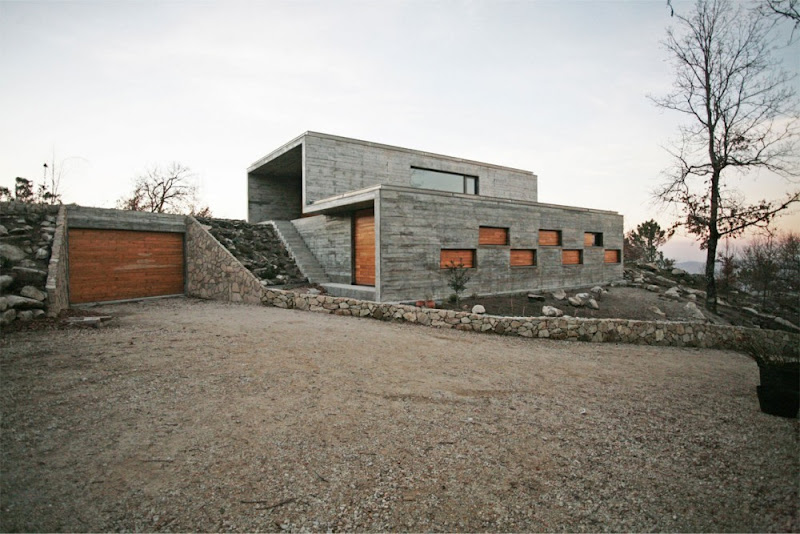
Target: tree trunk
<point x="713" y="238"/>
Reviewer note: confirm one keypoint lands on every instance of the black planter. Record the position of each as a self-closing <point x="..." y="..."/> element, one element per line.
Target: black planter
<point x="779" y="392"/>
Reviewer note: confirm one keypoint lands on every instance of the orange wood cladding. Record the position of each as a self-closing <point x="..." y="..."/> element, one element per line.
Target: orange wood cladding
<point x="570" y="257"/>
<point x="123" y="264"/>
<point x="462" y="256"/>
<point x="549" y="238"/>
<point x="364" y="231"/>
<point x="588" y="239"/>
<point x="522" y="257"/>
<point x="612" y="256"/>
<point x="488" y="235"/>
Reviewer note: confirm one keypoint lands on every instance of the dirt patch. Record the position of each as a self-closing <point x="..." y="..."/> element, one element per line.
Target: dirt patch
<point x="185" y="415"/>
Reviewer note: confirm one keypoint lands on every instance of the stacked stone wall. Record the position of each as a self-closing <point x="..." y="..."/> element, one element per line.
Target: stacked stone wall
<point x="677" y="334"/>
<point x="212" y="272"/>
<point x="57" y="271"/>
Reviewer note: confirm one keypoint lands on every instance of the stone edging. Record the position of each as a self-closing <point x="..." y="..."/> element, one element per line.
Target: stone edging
<point x="663" y="333"/>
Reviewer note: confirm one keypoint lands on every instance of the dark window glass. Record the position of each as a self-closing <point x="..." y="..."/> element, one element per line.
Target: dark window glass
<point x="444" y="181"/>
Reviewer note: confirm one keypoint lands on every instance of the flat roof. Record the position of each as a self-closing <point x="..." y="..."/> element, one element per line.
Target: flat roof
<point x="299" y="139"/>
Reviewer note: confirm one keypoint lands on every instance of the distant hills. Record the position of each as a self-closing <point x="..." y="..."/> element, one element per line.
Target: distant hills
<point x="692" y="267"/>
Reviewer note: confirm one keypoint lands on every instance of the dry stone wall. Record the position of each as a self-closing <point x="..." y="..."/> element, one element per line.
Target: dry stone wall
<point x="26" y="237"/>
<point x="212" y="272"/>
<point x="678" y="334"/>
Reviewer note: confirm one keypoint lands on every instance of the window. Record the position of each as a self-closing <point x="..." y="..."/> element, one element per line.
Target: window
<point x="523" y="257"/>
<point x="612" y="256"/>
<point x="454" y="257"/>
<point x="550" y="238"/>
<point x="490" y="235"/>
<point x="593" y="239"/>
<point x="444" y="181"/>
<point x="571" y="257"/>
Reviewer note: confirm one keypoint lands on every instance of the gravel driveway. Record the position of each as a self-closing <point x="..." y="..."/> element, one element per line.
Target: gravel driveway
<point x="185" y="415"/>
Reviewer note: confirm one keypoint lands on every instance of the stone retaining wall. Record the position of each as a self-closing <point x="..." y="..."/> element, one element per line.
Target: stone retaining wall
<point x="212" y="272"/>
<point x="678" y="334"/>
<point x="57" y="285"/>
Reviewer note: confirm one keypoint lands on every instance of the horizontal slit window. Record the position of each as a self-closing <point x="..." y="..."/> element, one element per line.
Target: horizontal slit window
<point x="490" y="235"/>
<point x="550" y="238"/>
<point x="523" y="257"/>
<point x="571" y="257"/>
<point x="444" y="181"/>
<point x="612" y="256"/>
<point x="456" y="257"/>
<point x="593" y="239"/>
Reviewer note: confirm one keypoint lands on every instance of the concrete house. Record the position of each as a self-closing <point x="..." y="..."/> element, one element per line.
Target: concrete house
<point x="382" y="223"/>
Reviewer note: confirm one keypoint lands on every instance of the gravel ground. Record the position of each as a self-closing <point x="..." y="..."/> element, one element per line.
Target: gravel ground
<point x="184" y="415"/>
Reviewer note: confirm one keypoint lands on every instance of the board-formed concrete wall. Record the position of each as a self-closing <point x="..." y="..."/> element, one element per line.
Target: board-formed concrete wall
<point x="329" y="238"/>
<point x="416" y="225"/>
<point x="335" y="165"/>
<point x="273" y="199"/>
<point x="111" y="219"/>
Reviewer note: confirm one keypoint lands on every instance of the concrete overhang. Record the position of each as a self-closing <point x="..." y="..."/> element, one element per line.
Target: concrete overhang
<point x="354" y="200"/>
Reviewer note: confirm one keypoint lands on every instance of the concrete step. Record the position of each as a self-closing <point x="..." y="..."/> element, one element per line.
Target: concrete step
<point x="303" y="257"/>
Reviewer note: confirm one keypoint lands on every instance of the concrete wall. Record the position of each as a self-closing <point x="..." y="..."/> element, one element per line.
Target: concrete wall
<point x="329" y="238"/>
<point x="335" y="165"/>
<point x="111" y="219"/>
<point x="415" y="226"/>
<point x="270" y="198"/>
<point x="212" y="272"/>
<point x="57" y="285"/>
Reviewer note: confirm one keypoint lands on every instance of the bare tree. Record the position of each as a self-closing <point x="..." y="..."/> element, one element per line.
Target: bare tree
<point x="164" y="190"/>
<point x="742" y="116"/>
<point x="783" y="9"/>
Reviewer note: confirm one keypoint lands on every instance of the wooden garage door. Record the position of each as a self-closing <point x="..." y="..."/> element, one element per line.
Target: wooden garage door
<point x="364" y="241"/>
<point x="123" y="264"/>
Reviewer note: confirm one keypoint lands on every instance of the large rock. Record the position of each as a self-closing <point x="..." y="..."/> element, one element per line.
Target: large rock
<point x="559" y="294"/>
<point x="3" y="230"/>
<point x="7" y="317"/>
<point x="650" y="267"/>
<point x="25" y="315"/>
<point x="678" y="272"/>
<point x="694" y="312"/>
<point x="33" y="293"/>
<point x="551" y="311"/>
<point x="30" y="277"/>
<point x="654" y="288"/>
<point x="591" y="303"/>
<point x="5" y="281"/>
<point x="575" y="301"/>
<point x="673" y="293"/>
<point x="11" y="252"/>
<point x="583" y="296"/>
<point x="22" y="303"/>
<point x="478" y="309"/>
<point x="657" y="311"/>
<point x="42" y="254"/>
<point x="535" y="296"/>
<point x="597" y="291"/>
<point x="787" y="324"/>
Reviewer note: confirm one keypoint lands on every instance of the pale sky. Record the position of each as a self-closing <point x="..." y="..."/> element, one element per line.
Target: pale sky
<point x="558" y="88"/>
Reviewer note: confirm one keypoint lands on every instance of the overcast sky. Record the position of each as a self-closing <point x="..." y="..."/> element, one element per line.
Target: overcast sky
<point x="558" y="88"/>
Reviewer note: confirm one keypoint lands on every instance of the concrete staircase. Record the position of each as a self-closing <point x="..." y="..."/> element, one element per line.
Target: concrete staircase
<point x="303" y="257"/>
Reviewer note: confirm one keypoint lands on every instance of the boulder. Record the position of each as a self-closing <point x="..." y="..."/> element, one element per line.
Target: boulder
<point x="653" y="288"/>
<point x="591" y="303"/>
<point x="787" y="324"/>
<point x="3" y="230"/>
<point x="42" y="254"/>
<point x="550" y="311"/>
<point x="11" y="252"/>
<point x="694" y="312"/>
<point x="650" y="267"/>
<point x="478" y="309"/>
<point x="657" y="311"/>
<point x="559" y="294"/>
<point x="33" y="293"/>
<point x="3" y="304"/>
<point x="25" y="315"/>
<point x="5" y="281"/>
<point x="29" y="276"/>
<point x="597" y="291"/>
<point x="751" y="311"/>
<point x="535" y="296"/>
<point x="583" y="296"/>
<point x="575" y="301"/>
<point x="673" y="293"/>
<point x="7" y="317"/>
<point x="22" y="303"/>
<point x="678" y="272"/>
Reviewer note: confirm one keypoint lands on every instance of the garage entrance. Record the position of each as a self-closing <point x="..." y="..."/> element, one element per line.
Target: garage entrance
<point x="124" y="264"/>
